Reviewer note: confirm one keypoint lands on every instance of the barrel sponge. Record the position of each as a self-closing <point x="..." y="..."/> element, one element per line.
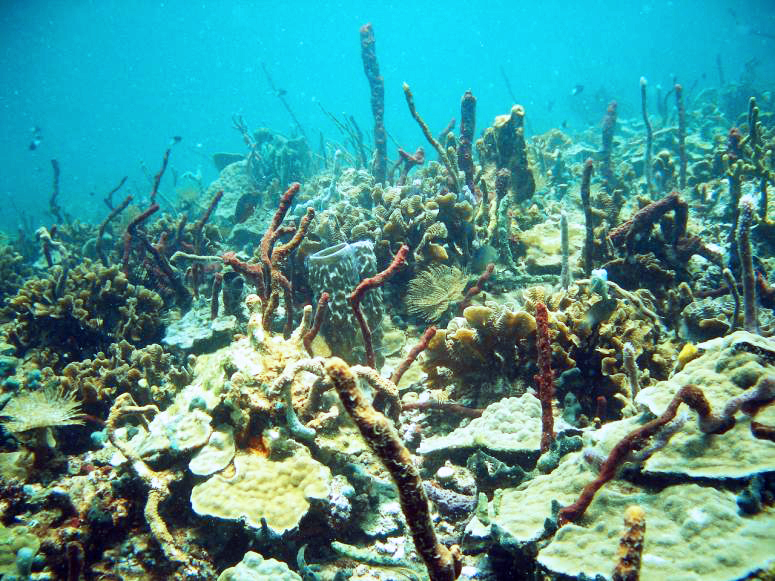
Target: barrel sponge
<point x="337" y="270"/>
<point x="276" y="490"/>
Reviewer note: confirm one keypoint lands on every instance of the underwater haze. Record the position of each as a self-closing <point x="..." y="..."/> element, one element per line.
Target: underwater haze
<point x="384" y="291"/>
<point x="109" y="83"/>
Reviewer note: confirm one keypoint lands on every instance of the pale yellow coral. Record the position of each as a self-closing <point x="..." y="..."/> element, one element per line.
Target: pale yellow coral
<point x="277" y="491"/>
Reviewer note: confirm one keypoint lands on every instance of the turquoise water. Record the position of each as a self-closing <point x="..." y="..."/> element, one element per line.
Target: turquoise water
<point x="548" y="305"/>
<point x="109" y="83"/>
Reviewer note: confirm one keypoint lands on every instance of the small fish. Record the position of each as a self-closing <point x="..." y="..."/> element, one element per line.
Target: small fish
<point x="246" y="205"/>
<point x="482" y="257"/>
<point x="599" y="313"/>
<point x="37" y="138"/>
<point x="576" y="90"/>
<point x="763" y="34"/>
<point x="177" y="139"/>
<point x="281" y="92"/>
<point x="564" y="124"/>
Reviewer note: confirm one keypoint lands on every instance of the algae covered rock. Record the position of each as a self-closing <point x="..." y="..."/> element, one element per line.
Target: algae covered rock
<point x="259" y="488"/>
<point x="236" y="182"/>
<point x="197" y="332"/>
<point x="254" y="567"/>
<point x="13" y="542"/>
<point x="16" y="466"/>
<point x="544" y="248"/>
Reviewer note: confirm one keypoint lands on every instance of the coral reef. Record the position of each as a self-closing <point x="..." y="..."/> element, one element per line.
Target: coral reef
<point x="601" y="309"/>
<point x="13" y="271"/>
<point x="75" y="313"/>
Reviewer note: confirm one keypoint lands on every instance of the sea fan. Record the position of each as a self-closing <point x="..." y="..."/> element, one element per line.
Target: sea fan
<point x="43" y="408"/>
<point x="432" y="291"/>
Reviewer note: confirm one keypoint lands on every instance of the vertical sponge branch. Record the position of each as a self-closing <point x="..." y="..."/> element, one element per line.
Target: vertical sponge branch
<point x="443" y="564"/>
<point x="377" y="86"/>
<point x="414" y="352"/>
<point x="649" y="137"/>
<point x="589" y="225"/>
<point x="565" y="276"/>
<point x="317" y="322"/>
<point x="745" y="220"/>
<point x="465" y="159"/>
<point x="369" y="283"/>
<point x="607" y="168"/>
<point x="679" y="103"/>
<point x="53" y="205"/>
<point x="631" y="545"/>
<point x="448" y="163"/>
<point x="545" y="377"/>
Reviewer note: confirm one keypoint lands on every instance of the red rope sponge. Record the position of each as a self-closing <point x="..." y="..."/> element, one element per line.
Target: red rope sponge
<point x="545" y="376"/>
<point x="369" y="283"/>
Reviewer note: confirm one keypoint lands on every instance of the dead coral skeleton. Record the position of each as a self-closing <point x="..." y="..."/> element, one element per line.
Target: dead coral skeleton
<point x="158" y="481"/>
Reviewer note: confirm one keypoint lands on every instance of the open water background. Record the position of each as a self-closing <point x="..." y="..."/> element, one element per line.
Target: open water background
<point x="109" y="82"/>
